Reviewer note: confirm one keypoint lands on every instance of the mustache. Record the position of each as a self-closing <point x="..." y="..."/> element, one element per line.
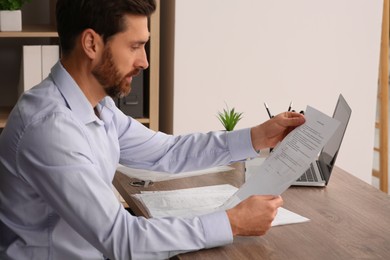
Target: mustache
<point x="134" y="73"/>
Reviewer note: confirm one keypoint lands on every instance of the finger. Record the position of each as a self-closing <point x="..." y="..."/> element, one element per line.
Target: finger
<point x="269" y="197"/>
<point x="294" y="115"/>
<point x="291" y="114"/>
<point x="278" y="201"/>
<point x="294" y="119"/>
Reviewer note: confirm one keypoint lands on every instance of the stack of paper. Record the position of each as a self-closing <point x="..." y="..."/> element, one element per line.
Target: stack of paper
<point x="198" y="201"/>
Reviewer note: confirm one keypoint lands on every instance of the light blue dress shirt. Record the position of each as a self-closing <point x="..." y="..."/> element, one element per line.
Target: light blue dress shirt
<point x="57" y="163"/>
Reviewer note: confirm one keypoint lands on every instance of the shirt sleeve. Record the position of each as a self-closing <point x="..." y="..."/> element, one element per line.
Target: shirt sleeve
<point x="146" y="149"/>
<point x="55" y="157"/>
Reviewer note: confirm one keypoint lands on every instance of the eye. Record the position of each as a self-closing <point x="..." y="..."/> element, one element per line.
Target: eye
<point x="135" y="47"/>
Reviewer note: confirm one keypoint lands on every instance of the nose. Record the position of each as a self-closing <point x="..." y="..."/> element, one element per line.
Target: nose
<point x="142" y="60"/>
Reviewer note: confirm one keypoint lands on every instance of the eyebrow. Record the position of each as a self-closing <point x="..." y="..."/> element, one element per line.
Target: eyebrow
<point x="141" y="41"/>
<point x="144" y="42"/>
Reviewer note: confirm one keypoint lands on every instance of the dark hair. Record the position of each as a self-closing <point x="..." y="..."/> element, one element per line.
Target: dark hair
<point x="105" y="17"/>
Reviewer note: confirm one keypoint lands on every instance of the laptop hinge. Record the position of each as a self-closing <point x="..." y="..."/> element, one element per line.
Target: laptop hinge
<point x="320" y="170"/>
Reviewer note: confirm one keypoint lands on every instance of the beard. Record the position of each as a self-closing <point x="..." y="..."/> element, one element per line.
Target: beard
<point x="108" y="75"/>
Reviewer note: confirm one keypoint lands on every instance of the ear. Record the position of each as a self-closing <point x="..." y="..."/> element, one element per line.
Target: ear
<point x="92" y="43"/>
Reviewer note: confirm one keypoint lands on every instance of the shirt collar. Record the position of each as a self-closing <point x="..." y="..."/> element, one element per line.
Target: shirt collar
<point x="72" y="94"/>
<point x="105" y="108"/>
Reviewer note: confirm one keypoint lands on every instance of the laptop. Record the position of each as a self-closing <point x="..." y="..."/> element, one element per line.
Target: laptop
<point x="320" y="170"/>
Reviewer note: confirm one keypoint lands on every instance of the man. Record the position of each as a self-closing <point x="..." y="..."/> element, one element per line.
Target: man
<point x="65" y="137"/>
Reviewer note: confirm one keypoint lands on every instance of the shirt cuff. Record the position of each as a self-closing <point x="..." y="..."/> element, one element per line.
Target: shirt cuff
<point x="240" y="144"/>
<point x="217" y="229"/>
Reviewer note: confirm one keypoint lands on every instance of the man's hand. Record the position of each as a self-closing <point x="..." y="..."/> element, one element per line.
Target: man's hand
<point x="254" y="216"/>
<point x="269" y="133"/>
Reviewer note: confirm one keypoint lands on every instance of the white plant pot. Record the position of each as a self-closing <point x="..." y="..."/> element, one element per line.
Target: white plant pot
<point x="11" y="21"/>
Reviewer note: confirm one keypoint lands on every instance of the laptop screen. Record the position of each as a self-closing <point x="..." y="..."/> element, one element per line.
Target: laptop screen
<point x="329" y="153"/>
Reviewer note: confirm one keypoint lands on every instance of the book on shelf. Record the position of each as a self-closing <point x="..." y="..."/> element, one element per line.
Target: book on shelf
<point x="36" y="63"/>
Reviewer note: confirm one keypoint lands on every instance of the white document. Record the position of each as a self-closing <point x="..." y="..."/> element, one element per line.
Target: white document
<point x="199" y="201"/>
<point x="31" y="68"/>
<point x="50" y="56"/>
<point x="155" y="176"/>
<point x="289" y="159"/>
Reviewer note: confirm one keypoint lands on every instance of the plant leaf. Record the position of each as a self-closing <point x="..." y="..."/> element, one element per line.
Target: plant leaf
<point x="229" y="118"/>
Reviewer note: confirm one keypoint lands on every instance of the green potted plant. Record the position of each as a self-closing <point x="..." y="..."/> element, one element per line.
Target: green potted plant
<point x="229" y="118"/>
<point x="11" y="15"/>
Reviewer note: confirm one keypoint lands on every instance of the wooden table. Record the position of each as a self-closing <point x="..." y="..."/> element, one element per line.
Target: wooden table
<point x="349" y="219"/>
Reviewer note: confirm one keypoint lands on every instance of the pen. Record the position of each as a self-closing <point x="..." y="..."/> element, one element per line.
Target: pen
<point x="270" y="116"/>
<point x="269" y="113"/>
<point x="289" y="107"/>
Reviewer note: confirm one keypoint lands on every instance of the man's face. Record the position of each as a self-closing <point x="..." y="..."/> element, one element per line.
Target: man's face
<point x="123" y="57"/>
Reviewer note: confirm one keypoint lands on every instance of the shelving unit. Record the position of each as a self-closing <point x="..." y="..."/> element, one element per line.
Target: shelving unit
<point x="11" y="45"/>
<point x="33" y="32"/>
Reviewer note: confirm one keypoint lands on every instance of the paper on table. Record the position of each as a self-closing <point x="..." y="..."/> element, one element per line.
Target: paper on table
<point x="156" y="176"/>
<point x="185" y="202"/>
<point x="289" y="159"/>
<point x="198" y="201"/>
<point x="285" y="217"/>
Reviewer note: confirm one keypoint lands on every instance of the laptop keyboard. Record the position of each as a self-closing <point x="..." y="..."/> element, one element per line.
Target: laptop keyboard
<point x="309" y="175"/>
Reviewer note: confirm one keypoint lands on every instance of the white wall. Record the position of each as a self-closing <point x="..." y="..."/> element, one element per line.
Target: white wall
<point x="246" y="52"/>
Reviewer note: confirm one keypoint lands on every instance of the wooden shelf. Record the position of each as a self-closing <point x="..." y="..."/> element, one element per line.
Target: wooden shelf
<point x="36" y="31"/>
